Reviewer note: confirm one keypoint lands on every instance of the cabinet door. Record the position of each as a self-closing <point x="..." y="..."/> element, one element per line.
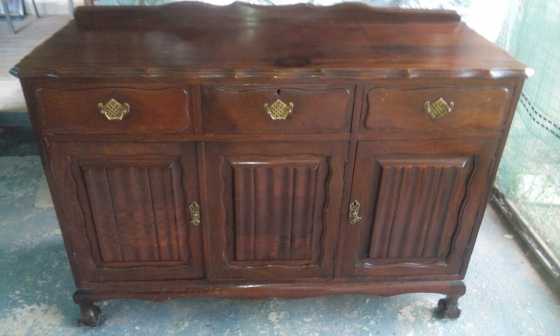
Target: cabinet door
<point x="125" y="209"/>
<point x="273" y="209"/>
<point x="420" y="204"/>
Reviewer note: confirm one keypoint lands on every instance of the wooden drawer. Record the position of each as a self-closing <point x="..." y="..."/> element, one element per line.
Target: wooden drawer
<point x="245" y="109"/>
<point x="473" y="109"/>
<point x="163" y="110"/>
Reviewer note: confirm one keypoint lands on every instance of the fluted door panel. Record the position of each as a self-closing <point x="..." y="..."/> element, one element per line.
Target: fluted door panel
<point x="274" y="209"/>
<point x="420" y="202"/>
<point x="129" y="205"/>
<point x="417" y="208"/>
<point x="277" y="208"/>
<point x="145" y="222"/>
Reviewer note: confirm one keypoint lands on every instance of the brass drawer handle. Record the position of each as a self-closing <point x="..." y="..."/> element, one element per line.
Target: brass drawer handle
<point x="279" y="110"/>
<point x="354" y="213"/>
<point x="194" y="209"/>
<point x="113" y="109"/>
<point x="439" y="108"/>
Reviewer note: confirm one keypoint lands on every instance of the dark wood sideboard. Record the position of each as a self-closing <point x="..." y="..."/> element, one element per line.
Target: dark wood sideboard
<point x="248" y="151"/>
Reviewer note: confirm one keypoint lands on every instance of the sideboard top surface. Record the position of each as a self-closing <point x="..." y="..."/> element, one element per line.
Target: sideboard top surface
<point x="200" y="41"/>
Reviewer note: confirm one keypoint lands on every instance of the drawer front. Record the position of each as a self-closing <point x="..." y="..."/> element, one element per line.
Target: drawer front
<point x="437" y="110"/>
<point x="115" y="110"/>
<point x="279" y="109"/>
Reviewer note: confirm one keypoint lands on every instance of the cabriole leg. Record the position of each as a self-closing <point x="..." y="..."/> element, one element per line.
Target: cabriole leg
<point x="448" y="307"/>
<point x="90" y="314"/>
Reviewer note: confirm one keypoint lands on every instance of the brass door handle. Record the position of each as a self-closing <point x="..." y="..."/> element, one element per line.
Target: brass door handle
<point x="113" y="109"/>
<point x="194" y="209"/>
<point x="354" y="213"/>
<point x="279" y="110"/>
<point x="439" y="108"/>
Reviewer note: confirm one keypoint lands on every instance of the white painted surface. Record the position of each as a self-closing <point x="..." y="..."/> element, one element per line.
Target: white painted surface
<point x="51" y="7"/>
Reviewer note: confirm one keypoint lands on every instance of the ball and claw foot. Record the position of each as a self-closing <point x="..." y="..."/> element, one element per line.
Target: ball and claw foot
<point x="448" y="308"/>
<point x="90" y="315"/>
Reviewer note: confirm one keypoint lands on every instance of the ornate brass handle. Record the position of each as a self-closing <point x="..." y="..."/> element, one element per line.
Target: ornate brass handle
<point x="194" y="209"/>
<point x="439" y="108"/>
<point x="113" y="109"/>
<point x="354" y="212"/>
<point x="279" y="110"/>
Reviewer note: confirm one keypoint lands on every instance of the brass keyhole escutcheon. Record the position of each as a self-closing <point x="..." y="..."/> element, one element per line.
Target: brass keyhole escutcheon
<point x="354" y="213"/>
<point x="194" y="209"/>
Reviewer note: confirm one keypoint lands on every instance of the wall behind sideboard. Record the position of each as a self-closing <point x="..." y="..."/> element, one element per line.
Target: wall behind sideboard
<point x="51" y="7"/>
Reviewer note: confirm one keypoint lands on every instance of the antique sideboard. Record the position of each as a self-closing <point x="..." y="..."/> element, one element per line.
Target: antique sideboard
<point x="249" y="151"/>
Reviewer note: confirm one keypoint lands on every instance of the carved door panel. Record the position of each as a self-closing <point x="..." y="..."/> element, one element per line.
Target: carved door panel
<point x="126" y="209"/>
<point x="273" y="209"/>
<point x="420" y="204"/>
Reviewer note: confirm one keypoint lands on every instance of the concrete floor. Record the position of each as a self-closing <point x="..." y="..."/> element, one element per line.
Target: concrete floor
<point x="505" y="293"/>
